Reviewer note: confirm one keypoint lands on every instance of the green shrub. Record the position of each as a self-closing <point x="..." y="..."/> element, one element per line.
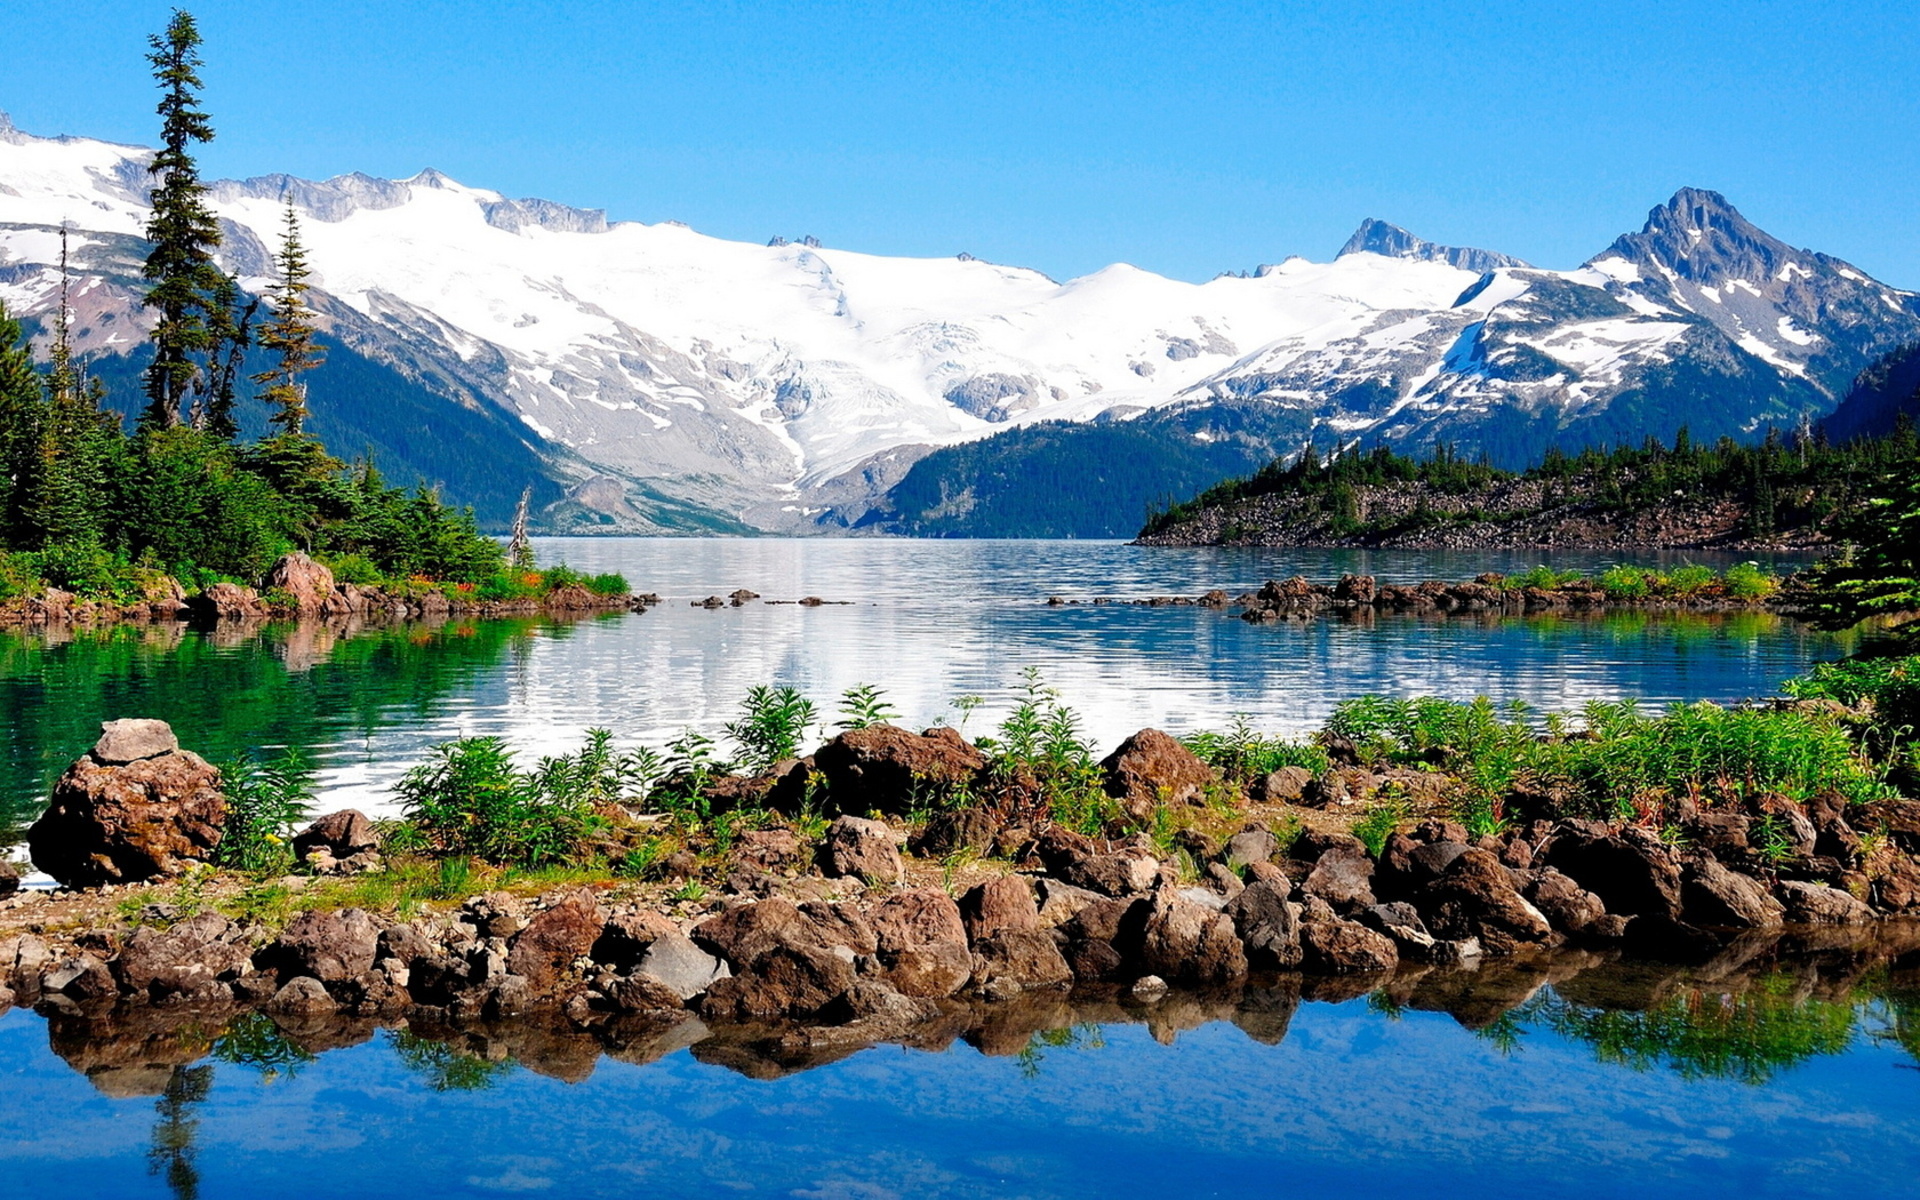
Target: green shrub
<point x="864" y="705"/>
<point x="356" y="569"/>
<point x="1240" y="754"/>
<point x="1626" y="583"/>
<point x="1379" y="822"/>
<point x="472" y="800"/>
<point x="610" y="584"/>
<point x="86" y="569"/>
<point x="773" y="723"/>
<point x="18" y="576"/>
<point x="1748" y="582"/>
<point x="1541" y="576"/>
<point x="1689" y="580"/>
<point x="264" y="803"/>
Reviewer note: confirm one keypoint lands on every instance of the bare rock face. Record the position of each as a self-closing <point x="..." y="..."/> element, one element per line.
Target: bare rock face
<point x="882" y="768"/>
<point x="1338" y="947"/>
<point x="1017" y="960"/>
<point x="922" y="943"/>
<point x="146" y="809"/>
<point x="1813" y="904"/>
<point x="862" y="849"/>
<point x="1343" y="879"/>
<point x="1284" y="786"/>
<point x="308" y="584"/>
<point x="1151" y="769"/>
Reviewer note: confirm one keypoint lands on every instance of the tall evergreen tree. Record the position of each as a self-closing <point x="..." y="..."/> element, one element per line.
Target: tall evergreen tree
<point x="290" y="335"/>
<point x="197" y="333"/>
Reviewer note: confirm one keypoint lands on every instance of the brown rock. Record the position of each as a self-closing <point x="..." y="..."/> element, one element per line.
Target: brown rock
<point x="231" y="602"/>
<point x="1475" y="897"/>
<point x="1018" y="960"/>
<point x="1812" y="904"/>
<point x="1343" y="879"/>
<point x="1267" y="926"/>
<point x="862" y="849"/>
<point x="189" y="958"/>
<point x="922" y="943"/>
<point x="1632" y="872"/>
<point x="999" y="905"/>
<point x="333" y="947"/>
<point x="308" y="584"/>
<point x="958" y="829"/>
<point x="1340" y="947"/>
<point x="554" y="938"/>
<point x="770" y="851"/>
<point x="1713" y="897"/>
<point x="627" y="936"/>
<point x="886" y="769"/>
<point x="302" y="997"/>
<point x="343" y="835"/>
<point x="794" y="978"/>
<point x="1151" y="770"/>
<point x="1187" y="943"/>
<point x="1566" y="905"/>
<point x="1283" y="786"/>
<point x="122" y="823"/>
<point x="841" y="925"/>
<point x="741" y="935"/>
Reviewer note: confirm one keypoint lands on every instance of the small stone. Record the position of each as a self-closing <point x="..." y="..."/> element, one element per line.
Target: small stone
<point x="133" y="739"/>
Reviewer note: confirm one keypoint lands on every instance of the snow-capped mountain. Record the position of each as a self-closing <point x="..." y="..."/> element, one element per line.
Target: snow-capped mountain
<point x="662" y="371"/>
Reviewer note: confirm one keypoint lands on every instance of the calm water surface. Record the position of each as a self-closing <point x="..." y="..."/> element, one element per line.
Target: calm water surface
<point x="1769" y="1086"/>
<point x="929" y="621"/>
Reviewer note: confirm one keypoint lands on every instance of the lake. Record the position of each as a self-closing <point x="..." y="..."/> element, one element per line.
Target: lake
<point x="1573" y="1077"/>
<point x="929" y="621"/>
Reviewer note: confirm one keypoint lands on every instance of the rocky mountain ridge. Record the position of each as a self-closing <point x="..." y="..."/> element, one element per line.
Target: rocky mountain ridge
<point x="668" y="380"/>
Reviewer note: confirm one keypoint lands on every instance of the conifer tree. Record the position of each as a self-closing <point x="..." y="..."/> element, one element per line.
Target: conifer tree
<point x="197" y="338"/>
<point x="290" y="335"/>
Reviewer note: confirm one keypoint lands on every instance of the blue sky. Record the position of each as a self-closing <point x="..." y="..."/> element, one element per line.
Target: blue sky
<point x="1184" y="138"/>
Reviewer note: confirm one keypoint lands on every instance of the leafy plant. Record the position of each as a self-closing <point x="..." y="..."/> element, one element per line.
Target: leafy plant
<point x="773" y="723"/>
<point x="264" y="803"/>
<point x="471" y="799"/>
<point x="1380" y="820"/>
<point x="864" y="705"/>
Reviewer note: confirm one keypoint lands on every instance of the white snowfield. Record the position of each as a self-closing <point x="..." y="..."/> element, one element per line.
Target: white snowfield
<point x="660" y="353"/>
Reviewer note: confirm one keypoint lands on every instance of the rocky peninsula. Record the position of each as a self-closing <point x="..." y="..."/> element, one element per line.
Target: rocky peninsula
<point x="891" y="878"/>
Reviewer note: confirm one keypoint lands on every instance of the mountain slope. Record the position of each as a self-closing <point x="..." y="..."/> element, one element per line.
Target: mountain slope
<point x="668" y="379"/>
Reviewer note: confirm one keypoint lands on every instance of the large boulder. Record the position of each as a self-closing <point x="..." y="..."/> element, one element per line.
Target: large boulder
<point x="1813" y="904"/>
<point x="1343" y="879"/>
<point x="134" y="808"/>
<point x="887" y="769"/>
<point x="1340" y="947"/>
<point x="793" y="978"/>
<point x="1016" y="960"/>
<point x="922" y="943"/>
<point x="555" y="938"/>
<point x="1566" y="905"/>
<point x="306" y="585"/>
<point x="9" y="879"/>
<point x="1151" y="770"/>
<point x="862" y="849"/>
<point x="680" y="966"/>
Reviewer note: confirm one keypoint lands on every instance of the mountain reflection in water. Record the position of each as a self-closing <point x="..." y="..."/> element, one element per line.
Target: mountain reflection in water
<point x="1779" y="1067"/>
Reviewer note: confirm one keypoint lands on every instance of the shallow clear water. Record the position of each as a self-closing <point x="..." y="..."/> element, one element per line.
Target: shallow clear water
<point x="929" y="621"/>
<point x="1609" y="1084"/>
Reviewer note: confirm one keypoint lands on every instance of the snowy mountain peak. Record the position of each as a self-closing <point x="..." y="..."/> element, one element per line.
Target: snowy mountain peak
<point x="1390" y="241"/>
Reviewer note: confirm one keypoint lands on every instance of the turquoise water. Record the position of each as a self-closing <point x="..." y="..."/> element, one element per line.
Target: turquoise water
<point x="1610" y="1082"/>
<point x="929" y="621"/>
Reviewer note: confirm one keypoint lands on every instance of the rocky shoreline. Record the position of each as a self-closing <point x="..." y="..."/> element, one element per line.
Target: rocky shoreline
<point x="840" y="929"/>
<point x="1298" y="598"/>
<point x="298" y="588"/>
